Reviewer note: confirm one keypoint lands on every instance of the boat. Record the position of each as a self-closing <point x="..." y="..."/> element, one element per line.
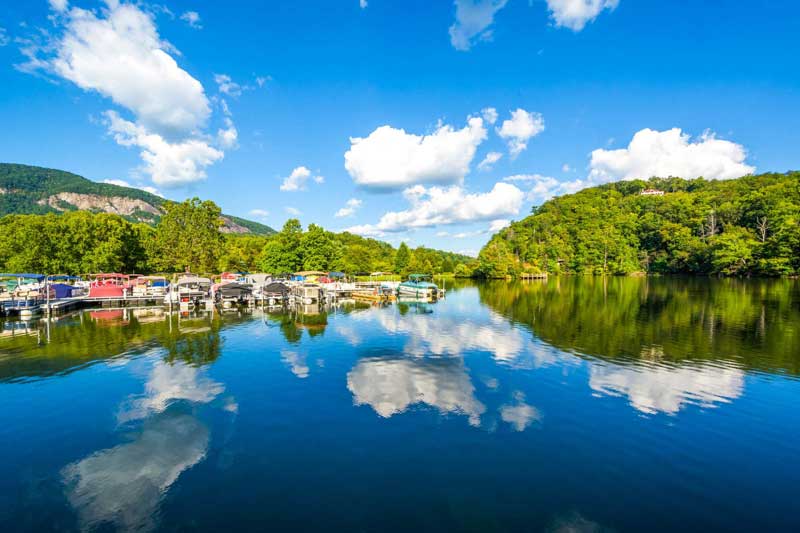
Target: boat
<point x="233" y="294"/>
<point x="275" y="293"/>
<point x="190" y="292"/>
<point x="419" y="285"/>
<point x="150" y="286"/>
<point x="109" y="285"/>
<point x="307" y="293"/>
<point x="22" y="294"/>
<point x="65" y="286"/>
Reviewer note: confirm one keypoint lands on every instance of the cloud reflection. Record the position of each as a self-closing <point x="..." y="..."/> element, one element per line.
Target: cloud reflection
<point x="661" y="389"/>
<point x="391" y="385"/>
<point x="519" y="414"/>
<point x="168" y="383"/>
<point x="123" y="485"/>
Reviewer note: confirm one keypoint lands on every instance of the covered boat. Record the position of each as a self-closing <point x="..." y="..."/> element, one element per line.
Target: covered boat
<point x="22" y="294"/>
<point x="233" y="293"/>
<point x="111" y="285"/>
<point x="419" y="286"/>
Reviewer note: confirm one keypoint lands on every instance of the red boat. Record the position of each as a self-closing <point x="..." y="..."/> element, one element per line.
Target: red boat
<point x="109" y="286"/>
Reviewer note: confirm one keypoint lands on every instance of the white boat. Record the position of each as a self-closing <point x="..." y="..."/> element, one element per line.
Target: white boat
<point x="190" y="292"/>
<point x="419" y="286"/>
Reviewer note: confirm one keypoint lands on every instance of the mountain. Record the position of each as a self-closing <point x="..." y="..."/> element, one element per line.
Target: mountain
<point x="742" y="227"/>
<point x="35" y="190"/>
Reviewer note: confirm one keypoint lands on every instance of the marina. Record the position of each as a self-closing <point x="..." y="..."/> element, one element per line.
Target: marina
<point x="27" y="295"/>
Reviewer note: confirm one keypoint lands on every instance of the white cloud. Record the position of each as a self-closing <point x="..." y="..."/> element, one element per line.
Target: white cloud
<point x="575" y="14"/>
<point x="123" y="183"/>
<point x="662" y="389"/>
<point x="390" y="158"/>
<point x="296" y="181"/>
<point x="362" y="4"/>
<point x="488" y="161"/>
<point x="262" y="80"/>
<point x="473" y="18"/>
<point x="497" y="225"/>
<point x="566" y="168"/>
<point x="670" y="153"/>
<point x="520" y="128"/>
<point x="227" y="86"/>
<point x="4" y="38"/>
<point x="164" y="97"/>
<point x="293" y="211"/>
<point x="489" y="114"/>
<point x="192" y="18"/>
<point x="228" y="137"/>
<point x="168" y="163"/>
<point x="259" y="213"/>
<point x="436" y="206"/>
<point x="349" y="209"/>
<point x="59" y="5"/>
<point x="542" y="187"/>
<point x="117" y="52"/>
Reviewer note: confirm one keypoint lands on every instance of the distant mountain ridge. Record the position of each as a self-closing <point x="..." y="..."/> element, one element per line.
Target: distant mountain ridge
<point x="28" y="189"/>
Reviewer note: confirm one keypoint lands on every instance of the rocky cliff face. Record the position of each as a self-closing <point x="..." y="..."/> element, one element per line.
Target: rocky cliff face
<point x="117" y="205"/>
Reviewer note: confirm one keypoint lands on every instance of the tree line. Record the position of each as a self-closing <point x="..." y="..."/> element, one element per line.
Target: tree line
<point x="188" y="238"/>
<point x="743" y="227"/>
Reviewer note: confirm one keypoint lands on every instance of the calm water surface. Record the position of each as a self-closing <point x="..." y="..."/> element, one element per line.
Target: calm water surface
<point x="565" y="405"/>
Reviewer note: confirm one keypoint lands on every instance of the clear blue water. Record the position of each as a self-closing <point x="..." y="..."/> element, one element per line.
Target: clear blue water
<point x="566" y="405"/>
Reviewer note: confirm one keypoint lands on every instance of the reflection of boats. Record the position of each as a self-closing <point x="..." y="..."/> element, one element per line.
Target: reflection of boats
<point x="109" y="316"/>
<point x="419" y="285"/>
<point x="109" y="286"/>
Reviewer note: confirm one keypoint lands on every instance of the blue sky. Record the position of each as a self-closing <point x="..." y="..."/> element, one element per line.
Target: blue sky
<point x="228" y="99"/>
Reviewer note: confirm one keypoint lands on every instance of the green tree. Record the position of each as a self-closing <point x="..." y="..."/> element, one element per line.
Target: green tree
<point x="402" y="258"/>
<point x="283" y="252"/>
<point x="188" y="238"/>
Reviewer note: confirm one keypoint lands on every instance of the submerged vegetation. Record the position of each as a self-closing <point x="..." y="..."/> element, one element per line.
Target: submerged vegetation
<point x="742" y="227"/>
<point x="188" y="237"/>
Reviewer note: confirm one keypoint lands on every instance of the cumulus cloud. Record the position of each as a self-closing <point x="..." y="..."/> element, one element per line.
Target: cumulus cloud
<point x="575" y="14"/>
<point x="259" y="213"/>
<point x="497" y="225"/>
<point x="116" y="51"/>
<point x="542" y="188"/>
<point x="168" y="163"/>
<point x="59" y="5"/>
<point x="489" y="114"/>
<point x="520" y="128"/>
<point x="192" y="18"/>
<point x="292" y="211"/>
<point x="296" y="181"/>
<point x="670" y="153"/>
<point x="4" y="38"/>
<point x="436" y="206"/>
<point x="228" y="136"/>
<point x="362" y="4"/>
<point x="473" y="21"/>
<point x="488" y="161"/>
<point x="349" y="209"/>
<point x="390" y="158"/>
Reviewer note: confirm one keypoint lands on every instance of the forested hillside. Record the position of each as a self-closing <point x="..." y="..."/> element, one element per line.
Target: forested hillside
<point x="746" y="226"/>
<point x="27" y="189"/>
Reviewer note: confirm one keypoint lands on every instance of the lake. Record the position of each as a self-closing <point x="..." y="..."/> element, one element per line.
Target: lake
<point x="571" y="404"/>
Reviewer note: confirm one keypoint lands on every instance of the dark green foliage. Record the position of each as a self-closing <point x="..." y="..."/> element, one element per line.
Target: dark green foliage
<point x="187" y="238"/>
<point x="747" y="226"/>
